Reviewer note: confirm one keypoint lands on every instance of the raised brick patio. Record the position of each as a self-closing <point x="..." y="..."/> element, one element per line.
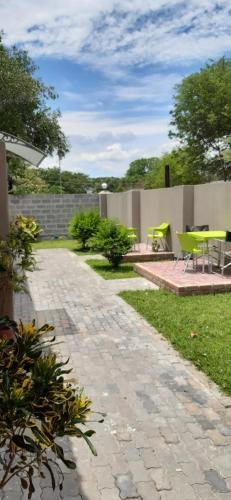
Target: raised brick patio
<point x="142" y="253"/>
<point x="165" y="275"/>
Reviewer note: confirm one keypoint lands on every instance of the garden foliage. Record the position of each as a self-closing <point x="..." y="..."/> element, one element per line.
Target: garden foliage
<point x="37" y="406"/>
<point x="16" y="253"/>
<point x="84" y="225"/>
<point x="112" y="240"/>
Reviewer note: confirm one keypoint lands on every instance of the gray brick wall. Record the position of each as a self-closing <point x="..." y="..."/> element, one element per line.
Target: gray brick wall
<point x="52" y="211"/>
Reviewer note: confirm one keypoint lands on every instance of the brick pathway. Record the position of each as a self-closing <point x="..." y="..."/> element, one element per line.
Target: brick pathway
<point x="167" y="434"/>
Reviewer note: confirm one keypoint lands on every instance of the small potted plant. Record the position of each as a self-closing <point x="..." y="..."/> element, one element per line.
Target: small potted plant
<point x="155" y="246"/>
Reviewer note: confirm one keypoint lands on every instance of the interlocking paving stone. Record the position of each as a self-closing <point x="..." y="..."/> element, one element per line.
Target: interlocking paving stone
<point x="193" y="473"/>
<point x="126" y="486"/>
<point x="166" y="426"/>
<point x="160" y="479"/>
<point x="216" y="481"/>
<point x="148" y="491"/>
<point x="110" y="494"/>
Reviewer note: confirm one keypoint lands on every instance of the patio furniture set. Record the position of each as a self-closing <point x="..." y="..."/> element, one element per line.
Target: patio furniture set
<point x="158" y="233"/>
<point x="197" y="242"/>
<point x="215" y="245"/>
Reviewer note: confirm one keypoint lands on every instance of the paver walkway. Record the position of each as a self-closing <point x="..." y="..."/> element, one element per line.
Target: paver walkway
<point x="167" y="434"/>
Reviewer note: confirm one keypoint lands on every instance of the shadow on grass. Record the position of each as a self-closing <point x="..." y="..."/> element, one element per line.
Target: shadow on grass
<point x="105" y="269"/>
<point x="83" y="252"/>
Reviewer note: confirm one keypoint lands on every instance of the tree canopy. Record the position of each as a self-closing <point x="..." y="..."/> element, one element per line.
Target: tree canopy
<point x="184" y="169"/>
<point x="201" y="116"/>
<point x="24" y="109"/>
<point x="137" y="170"/>
<point x="66" y="182"/>
<point x="27" y="179"/>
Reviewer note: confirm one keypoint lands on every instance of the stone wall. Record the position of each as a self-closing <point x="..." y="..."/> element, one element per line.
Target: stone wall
<point x="53" y="212"/>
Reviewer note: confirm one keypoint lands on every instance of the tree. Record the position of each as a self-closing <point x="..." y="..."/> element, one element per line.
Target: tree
<point x="75" y="182"/>
<point x="137" y="170"/>
<point x="114" y="184"/>
<point x="70" y="183"/>
<point x="184" y="169"/>
<point x="24" y="111"/>
<point x="201" y="117"/>
<point x="29" y="182"/>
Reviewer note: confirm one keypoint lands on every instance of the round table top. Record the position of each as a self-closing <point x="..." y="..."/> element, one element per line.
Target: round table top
<point x="208" y="235"/>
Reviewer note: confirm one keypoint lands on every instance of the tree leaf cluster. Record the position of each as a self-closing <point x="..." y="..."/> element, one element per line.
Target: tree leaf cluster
<point x="201" y="115"/>
<point x="24" y="109"/>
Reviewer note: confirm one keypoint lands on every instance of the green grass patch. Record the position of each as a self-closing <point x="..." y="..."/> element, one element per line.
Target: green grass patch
<point x="72" y="245"/>
<point x="107" y="272"/>
<point x="199" y="327"/>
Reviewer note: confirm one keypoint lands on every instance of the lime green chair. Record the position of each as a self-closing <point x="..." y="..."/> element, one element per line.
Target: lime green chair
<point x="133" y="236"/>
<point x="191" y="248"/>
<point x="158" y="233"/>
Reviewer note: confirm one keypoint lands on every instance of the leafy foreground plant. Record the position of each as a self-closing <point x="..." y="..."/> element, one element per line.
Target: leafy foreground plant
<point x="112" y="240"/>
<point x="37" y="406"/>
<point x="16" y="255"/>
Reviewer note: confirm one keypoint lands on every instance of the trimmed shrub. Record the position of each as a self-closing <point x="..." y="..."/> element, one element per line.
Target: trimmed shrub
<point x="84" y="225"/>
<point x="112" y="240"/>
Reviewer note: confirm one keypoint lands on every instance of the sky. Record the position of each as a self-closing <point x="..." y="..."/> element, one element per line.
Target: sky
<point x="114" y="64"/>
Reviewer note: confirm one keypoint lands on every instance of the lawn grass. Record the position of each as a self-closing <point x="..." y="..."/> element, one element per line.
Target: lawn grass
<point x="199" y="327"/>
<point x="107" y="272"/>
<point x="72" y="245"/>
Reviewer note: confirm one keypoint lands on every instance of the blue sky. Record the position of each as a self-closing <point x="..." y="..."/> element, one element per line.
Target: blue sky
<point x="114" y="64"/>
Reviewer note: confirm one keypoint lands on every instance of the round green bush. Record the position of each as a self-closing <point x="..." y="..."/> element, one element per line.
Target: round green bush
<point x="84" y="225"/>
<point x="112" y="240"/>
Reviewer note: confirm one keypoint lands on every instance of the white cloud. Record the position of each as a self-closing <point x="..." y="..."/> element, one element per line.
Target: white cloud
<point x="114" y="34"/>
<point x="92" y="124"/>
<point x="155" y="88"/>
<point x="94" y="150"/>
<point x="114" y="152"/>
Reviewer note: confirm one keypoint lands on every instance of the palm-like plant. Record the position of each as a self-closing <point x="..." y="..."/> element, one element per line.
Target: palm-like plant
<point x="37" y="406"/>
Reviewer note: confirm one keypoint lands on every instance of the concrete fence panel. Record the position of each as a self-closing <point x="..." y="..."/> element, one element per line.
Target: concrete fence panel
<point x="173" y="205"/>
<point x="212" y="205"/>
<point x="125" y="207"/>
<point x="119" y="207"/>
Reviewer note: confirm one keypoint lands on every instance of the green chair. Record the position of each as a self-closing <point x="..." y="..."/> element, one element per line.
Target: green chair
<point x="133" y="236"/>
<point x="191" y="248"/>
<point x="158" y="233"/>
